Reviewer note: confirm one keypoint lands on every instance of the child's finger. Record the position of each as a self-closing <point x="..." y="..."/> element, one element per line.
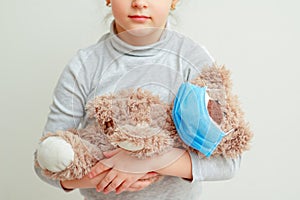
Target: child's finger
<point x="97" y="169"/>
<point x="124" y="186"/>
<point x="115" y="183"/>
<point x="106" y="181"/>
<point x="149" y="175"/>
<point x="137" y="186"/>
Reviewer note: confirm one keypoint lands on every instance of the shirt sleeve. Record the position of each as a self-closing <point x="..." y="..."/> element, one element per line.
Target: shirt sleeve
<point x="213" y="168"/>
<point x="68" y="106"/>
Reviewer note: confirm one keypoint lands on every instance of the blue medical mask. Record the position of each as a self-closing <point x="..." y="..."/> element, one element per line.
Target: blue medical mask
<point x="193" y="123"/>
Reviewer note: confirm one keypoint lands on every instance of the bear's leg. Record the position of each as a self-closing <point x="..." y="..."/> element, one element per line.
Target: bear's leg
<point x="65" y="156"/>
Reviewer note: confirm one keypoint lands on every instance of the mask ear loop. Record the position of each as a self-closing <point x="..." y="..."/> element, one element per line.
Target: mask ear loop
<point x="230" y="131"/>
<point x="188" y="75"/>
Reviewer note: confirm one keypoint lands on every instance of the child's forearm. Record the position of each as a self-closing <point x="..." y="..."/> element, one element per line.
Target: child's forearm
<point x="181" y="167"/>
<point x="84" y="182"/>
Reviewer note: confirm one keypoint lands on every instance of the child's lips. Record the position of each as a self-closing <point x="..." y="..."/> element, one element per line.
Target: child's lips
<point x="139" y="18"/>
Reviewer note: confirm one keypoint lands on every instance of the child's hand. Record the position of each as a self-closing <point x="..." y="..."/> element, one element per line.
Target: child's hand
<point x="86" y="182"/>
<point x="118" y="181"/>
<point x="100" y="167"/>
<point x="144" y="182"/>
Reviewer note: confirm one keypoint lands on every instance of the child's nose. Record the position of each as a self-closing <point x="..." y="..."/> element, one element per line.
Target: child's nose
<point x="139" y="4"/>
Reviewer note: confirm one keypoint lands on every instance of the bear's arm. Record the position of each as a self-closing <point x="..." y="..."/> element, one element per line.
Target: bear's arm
<point x="68" y="106"/>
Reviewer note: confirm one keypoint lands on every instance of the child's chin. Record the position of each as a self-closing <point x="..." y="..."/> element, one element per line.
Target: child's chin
<point x="142" y="32"/>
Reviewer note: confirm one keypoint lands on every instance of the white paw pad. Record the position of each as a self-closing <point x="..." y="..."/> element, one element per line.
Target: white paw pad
<point x="55" y="154"/>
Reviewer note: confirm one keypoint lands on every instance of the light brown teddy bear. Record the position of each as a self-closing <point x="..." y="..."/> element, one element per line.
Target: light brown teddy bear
<point x="142" y="124"/>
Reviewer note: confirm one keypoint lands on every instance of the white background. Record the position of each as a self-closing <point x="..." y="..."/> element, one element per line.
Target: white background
<point x="258" y="40"/>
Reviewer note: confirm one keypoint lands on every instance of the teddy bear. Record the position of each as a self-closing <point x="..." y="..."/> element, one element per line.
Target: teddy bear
<point x="140" y="123"/>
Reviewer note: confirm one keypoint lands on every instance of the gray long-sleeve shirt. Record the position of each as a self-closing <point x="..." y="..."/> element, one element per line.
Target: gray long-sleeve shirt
<point x="111" y="65"/>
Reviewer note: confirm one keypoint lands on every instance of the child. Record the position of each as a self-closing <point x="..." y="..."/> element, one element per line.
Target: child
<point x="139" y="51"/>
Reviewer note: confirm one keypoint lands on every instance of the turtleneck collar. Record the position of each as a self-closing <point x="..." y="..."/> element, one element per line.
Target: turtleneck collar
<point x="140" y="51"/>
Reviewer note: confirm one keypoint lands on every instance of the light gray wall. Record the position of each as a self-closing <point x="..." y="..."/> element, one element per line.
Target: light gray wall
<point x="258" y="40"/>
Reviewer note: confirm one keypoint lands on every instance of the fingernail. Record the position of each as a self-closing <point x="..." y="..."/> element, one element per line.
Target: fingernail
<point x="119" y="191"/>
<point x="105" y="191"/>
<point x="98" y="189"/>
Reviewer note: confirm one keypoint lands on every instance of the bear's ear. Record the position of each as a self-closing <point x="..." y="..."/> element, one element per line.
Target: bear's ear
<point x="215" y="111"/>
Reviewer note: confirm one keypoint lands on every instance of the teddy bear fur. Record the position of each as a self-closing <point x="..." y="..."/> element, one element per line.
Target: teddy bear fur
<point x="142" y="119"/>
